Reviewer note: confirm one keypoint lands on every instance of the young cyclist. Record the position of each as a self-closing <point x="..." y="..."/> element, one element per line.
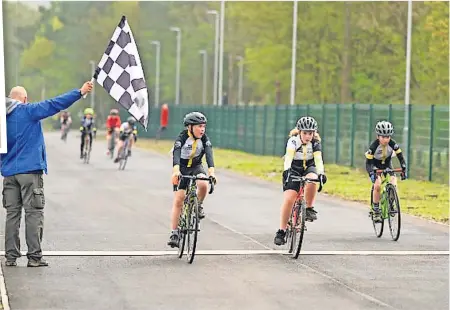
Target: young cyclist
<point x="65" y="121"/>
<point x="126" y="129"/>
<point x="188" y="151"/>
<point x="112" y="125"/>
<point x="303" y="158"/>
<point x="87" y="127"/>
<point x="379" y="156"/>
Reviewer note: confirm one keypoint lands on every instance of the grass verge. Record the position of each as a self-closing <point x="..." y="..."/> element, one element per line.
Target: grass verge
<point x="424" y="199"/>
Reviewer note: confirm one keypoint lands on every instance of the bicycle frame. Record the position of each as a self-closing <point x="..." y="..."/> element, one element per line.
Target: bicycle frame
<point x="385" y="175"/>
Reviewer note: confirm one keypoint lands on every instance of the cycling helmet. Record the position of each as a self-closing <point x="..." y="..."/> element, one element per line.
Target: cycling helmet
<point x="306" y="123"/>
<point x="384" y="128"/>
<point x="194" y="118"/>
<point x="89" y="111"/>
<point x="114" y="112"/>
<point x="131" y="120"/>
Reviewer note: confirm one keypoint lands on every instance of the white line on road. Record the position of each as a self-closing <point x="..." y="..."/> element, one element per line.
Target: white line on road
<point x="5" y="301"/>
<point x="237" y="252"/>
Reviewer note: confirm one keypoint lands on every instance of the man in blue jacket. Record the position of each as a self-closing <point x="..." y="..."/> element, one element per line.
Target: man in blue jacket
<point x="23" y="166"/>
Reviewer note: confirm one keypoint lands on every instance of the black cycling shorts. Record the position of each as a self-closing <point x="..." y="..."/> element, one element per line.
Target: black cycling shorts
<point x="188" y="171"/>
<point x="123" y="136"/>
<point x="296" y="185"/>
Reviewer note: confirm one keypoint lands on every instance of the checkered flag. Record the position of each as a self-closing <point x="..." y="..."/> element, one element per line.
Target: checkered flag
<point x="121" y="75"/>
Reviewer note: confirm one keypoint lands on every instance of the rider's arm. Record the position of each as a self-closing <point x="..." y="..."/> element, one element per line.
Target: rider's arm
<point x="317" y="153"/>
<point x="291" y="147"/>
<point x="398" y="152"/>
<point x="208" y="153"/>
<point x="50" y="107"/>
<point x="181" y="139"/>
<point x="369" y="156"/>
<point x="69" y="120"/>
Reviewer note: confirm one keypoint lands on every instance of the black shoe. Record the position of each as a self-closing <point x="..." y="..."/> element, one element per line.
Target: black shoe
<point x="11" y="263"/>
<point x="37" y="263"/>
<point x="81" y="156"/>
<point x="129" y="153"/>
<point x="201" y="212"/>
<point x="280" y="237"/>
<point x="174" y="240"/>
<point x="116" y="160"/>
<point x="376" y="214"/>
<point x="311" y="214"/>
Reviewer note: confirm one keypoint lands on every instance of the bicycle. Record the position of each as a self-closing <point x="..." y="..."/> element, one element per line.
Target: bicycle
<point x="87" y="148"/>
<point x="189" y="221"/>
<point x="298" y="216"/>
<point x="124" y="154"/>
<point x="64" y="132"/>
<point x="112" y="143"/>
<point x="389" y="204"/>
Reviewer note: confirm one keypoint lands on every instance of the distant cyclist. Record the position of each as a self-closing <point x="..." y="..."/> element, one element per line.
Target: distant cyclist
<point x="65" y="121"/>
<point x="127" y="129"/>
<point x="87" y="128"/>
<point x="112" y="125"/>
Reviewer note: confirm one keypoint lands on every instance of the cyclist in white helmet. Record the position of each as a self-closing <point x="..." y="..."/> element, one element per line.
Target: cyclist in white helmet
<point x="379" y="156"/>
<point x="303" y="158"/>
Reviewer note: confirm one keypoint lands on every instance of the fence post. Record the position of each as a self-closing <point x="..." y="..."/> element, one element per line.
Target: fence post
<point x="370" y="121"/>
<point x="430" y="168"/>
<point x="352" y="141"/>
<point x="245" y="107"/>
<point x="275" y="130"/>
<point x="264" y="131"/>
<point x="323" y="135"/>
<point x="336" y="147"/>
<point x="390" y="113"/>
<point x="254" y="130"/>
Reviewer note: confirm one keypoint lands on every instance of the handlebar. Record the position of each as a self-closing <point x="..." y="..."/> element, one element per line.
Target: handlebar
<point x="195" y="178"/>
<point x="387" y="170"/>
<point x="296" y="178"/>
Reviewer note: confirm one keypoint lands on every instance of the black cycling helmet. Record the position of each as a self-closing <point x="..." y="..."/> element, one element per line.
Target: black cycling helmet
<point x="131" y="120"/>
<point x="307" y="123"/>
<point x="194" y="118"/>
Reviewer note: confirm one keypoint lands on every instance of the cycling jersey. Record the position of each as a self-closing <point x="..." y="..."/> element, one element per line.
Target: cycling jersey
<point x="379" y="156"/>
<point x="87" y="124"/>
<point x="301" y="156"/>
<point x="188" y="152"/>
<point x="113" y="121"/>
<point x="127" y="129"/>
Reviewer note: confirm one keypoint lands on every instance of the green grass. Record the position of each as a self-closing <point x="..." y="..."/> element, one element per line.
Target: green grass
<point x="424" y="199"/>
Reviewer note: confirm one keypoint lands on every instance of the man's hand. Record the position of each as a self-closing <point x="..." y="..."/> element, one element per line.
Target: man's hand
<point x="86" y="88"/>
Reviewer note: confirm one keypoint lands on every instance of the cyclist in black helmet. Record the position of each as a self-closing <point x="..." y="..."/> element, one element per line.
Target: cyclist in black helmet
<point x="304" y="158"/>
<point x="379" y="156"/>
<point x="187" y="152"/>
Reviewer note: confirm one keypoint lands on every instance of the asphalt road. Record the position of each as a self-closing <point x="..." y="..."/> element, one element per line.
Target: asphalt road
<point x="95" y="207"/>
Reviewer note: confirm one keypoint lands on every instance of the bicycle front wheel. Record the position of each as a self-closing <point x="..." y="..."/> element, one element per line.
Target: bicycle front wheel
<point x="299" y="229"/>
<point x="192" y="230"/>
<point x="378" y="224"/>
<point x="394" y="218"/>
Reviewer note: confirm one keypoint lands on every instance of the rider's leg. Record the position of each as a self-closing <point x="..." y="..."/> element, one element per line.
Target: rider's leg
<point x="108" y="137"/>
<point x="393" y="180"/>
<point x="310" y="194"/>
<point x="376" y="190"/>
<point x="119" y="149"/>
<point x="83" y="134"/>
<point x="177" y="205"/>
<point x="290" y="190"/>
<point x="90" y="140"/>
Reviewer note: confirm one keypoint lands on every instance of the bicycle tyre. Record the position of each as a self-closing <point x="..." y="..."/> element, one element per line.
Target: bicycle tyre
<point x="182" y="232"/>
<point x="290" y="237"/>
<point x="378" y="231"/>
<point x="192" y="230"/>
<point x="299" y="228"/>
<point x="392" y="193"/>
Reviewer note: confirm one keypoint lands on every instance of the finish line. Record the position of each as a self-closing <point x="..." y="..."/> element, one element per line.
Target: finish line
<point x="236" y="252"/>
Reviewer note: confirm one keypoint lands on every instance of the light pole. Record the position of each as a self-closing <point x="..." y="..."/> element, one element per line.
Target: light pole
<point x="294" y="52"/>
<point x="205" y="59"/>
<point x="222" y="30"/>
<point x="216" y="52"/>
<point x="158" y="50"/>
<point x="93" y="88"/>
<point x="177" y="80"/>
<point x="241" y="77"/>
<point x="407" y="80"/>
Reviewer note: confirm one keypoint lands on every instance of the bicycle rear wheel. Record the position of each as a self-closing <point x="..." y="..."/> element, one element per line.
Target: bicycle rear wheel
<point x="299" y="229"/>
<point x="378" y="227"/>
<point x="394" y="217"/>
<point x="192" y="230"/>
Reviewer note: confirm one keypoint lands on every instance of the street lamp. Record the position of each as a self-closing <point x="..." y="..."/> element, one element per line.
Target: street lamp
<point x="241" y="77"/>
<point x="294" y="52"/>
<point x="407" y="81"/>
<point x="177" y="80"/>
<point x="216" y="51"/>
<point x="205" y="54"/>
<point x="158" y="50"/>
<point x="222" y="31"/>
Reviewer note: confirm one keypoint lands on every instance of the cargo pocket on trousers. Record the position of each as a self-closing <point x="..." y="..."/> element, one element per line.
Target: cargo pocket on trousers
<point x="38" y="200"/>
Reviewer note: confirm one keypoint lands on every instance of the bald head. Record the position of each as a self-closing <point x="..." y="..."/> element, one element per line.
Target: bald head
<point x="18" y="93"/>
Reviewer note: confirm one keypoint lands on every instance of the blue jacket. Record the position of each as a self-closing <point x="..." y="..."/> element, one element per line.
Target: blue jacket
<point x="26" y="147"/>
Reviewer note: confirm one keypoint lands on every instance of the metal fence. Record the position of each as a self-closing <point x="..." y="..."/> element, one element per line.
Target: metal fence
<point x="346" y="131"/>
